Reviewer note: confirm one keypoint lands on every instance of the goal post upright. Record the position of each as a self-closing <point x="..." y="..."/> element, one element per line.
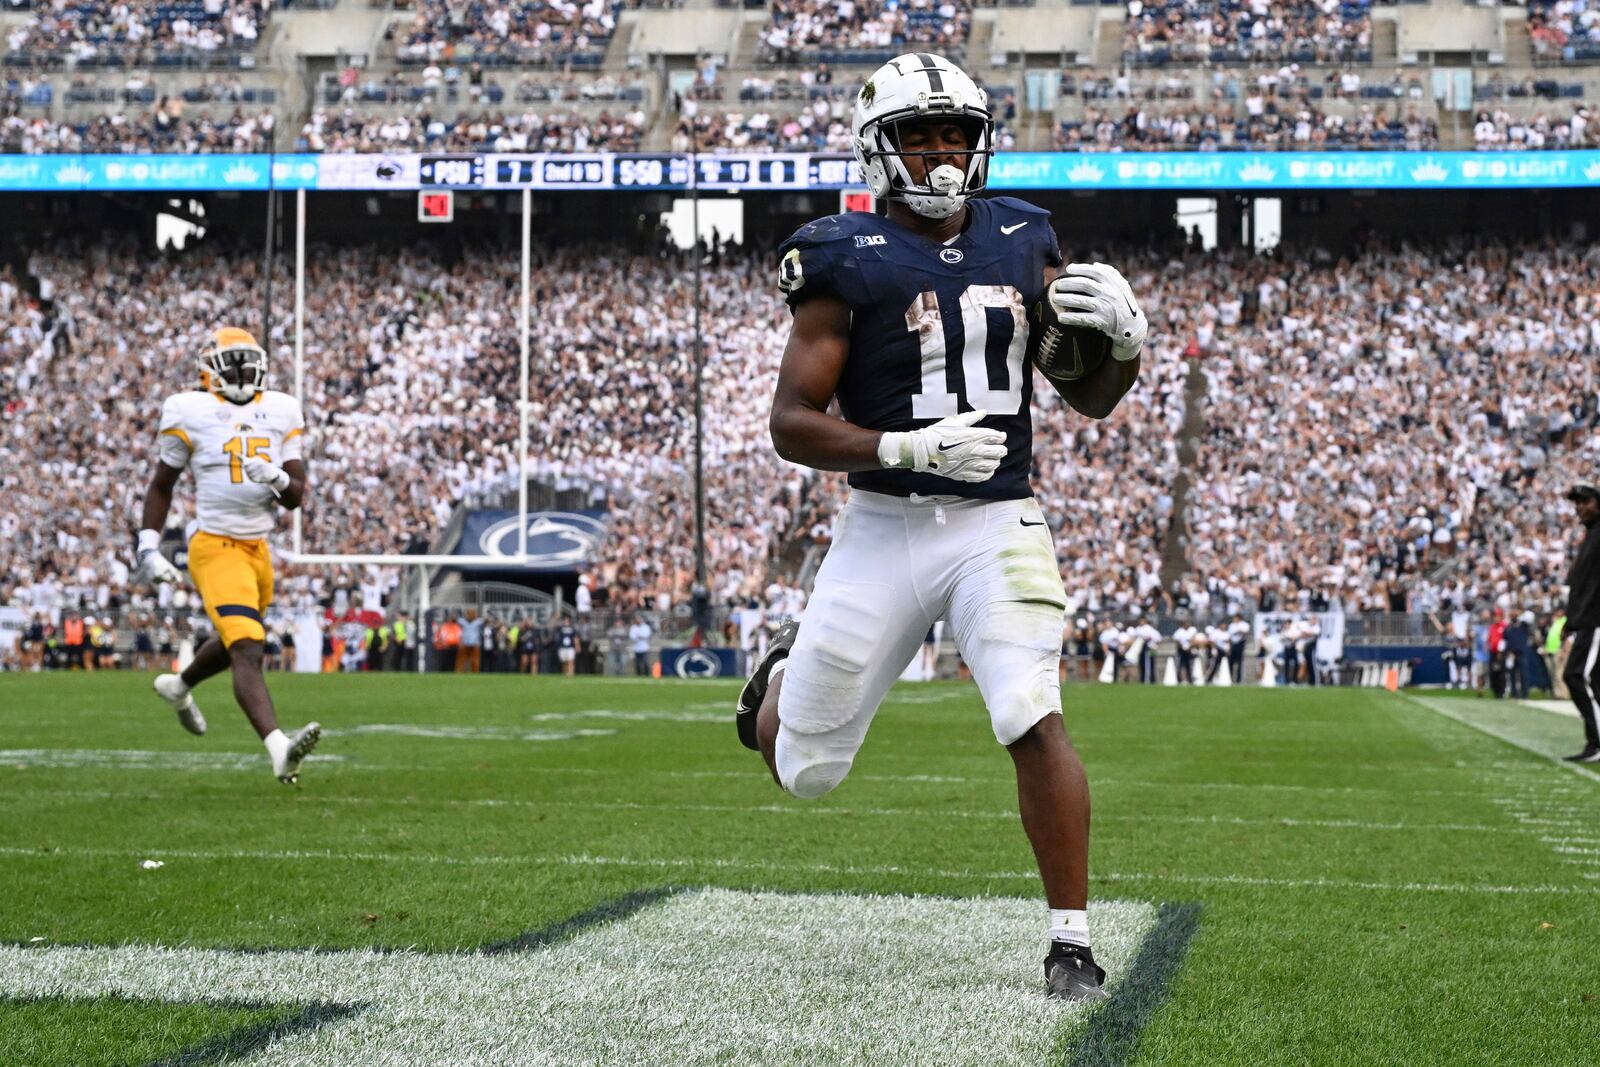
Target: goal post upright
<point x="299" y="329"/>
<point x="522" y="402"/>
<point x="426" y="564"/>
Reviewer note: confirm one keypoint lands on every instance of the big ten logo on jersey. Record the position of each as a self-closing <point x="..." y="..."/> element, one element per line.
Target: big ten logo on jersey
<point x="869" y="240"/>
<point x="974" y="378"/>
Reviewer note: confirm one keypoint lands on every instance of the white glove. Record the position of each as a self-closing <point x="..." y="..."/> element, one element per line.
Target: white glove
<point x="154" y="568"/>
<point x="1097" y="296"/>
<point x="267" y="473"/>
<point x="951" y="448"/>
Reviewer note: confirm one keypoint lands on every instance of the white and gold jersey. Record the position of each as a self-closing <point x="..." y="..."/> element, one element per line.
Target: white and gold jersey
<point x="214" y="437"/>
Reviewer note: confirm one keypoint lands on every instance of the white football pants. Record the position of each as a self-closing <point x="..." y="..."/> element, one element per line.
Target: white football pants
<point x="895" y="567"/>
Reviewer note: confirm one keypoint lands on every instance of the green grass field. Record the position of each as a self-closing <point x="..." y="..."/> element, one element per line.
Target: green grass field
<point x="510" y="870"/>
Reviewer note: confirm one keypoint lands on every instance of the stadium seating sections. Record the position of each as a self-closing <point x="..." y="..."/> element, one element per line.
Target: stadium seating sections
<point x="1151" y="74"/>
<point x="510" y="32"/>
<point x="1564" y="29"/>
<point x="1313" y="473"/>
<point x="1231" y="31"/>
<point x="138" y="33"/>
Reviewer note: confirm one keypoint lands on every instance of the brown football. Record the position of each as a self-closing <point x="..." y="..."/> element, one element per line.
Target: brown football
<point x="1067" y="353"/>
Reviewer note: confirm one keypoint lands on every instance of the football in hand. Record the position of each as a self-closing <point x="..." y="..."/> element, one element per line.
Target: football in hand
<point x="1065" y="354"/>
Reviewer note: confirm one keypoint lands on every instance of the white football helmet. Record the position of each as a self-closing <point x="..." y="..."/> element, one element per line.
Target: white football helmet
<point x="914" y="86"/>
<point x="232" y="365"/>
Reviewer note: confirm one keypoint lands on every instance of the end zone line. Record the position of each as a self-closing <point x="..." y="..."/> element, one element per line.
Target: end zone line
<point x="682" y="863"/>
<point x="1580" y="771"/>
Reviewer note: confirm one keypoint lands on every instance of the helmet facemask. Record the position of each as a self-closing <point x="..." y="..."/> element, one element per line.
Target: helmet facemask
<point x="947" y="186"/>
<point x="233" y="367"/>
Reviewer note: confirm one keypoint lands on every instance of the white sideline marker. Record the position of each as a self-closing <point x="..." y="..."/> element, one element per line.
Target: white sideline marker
<point x="709" y="976"/>
<point x="1224" y="675"/>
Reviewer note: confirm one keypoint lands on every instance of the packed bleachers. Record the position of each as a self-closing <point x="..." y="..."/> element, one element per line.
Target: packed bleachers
<point x="508" y="32"/>
<point x="453" y="85"/>
<point x="1145" y="128"/>
<point x="759" y="130"/>
<point x="1364" y="420"/>
<point x="556" y="130"/>
<point x="167" y="127"/>
<point x="862" y="31"/>
<point x="1370" y="419"/>
<point x="1523" y="129"/>
<point x="1564" y="30"/>
<point x="1239" y="31"/>
<point x="138" y="33"/>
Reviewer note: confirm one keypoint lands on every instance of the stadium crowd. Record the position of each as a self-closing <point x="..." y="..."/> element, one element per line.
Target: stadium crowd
<point x="1498" y="130"/>
<point x="1163" y="128"/>
<point x="1564" y="29"/>
<point x="811" y="130"/>
<point x="1189" y="31"/>
<point x="801" y="27"/>
<point x="543" y="32"/>
<point x="554" y="131"/>
<point x="1351" y="452"/>
<point x="1395" y="431"/>
<point x="165" y="128"/>
<point x="136" y="32"/>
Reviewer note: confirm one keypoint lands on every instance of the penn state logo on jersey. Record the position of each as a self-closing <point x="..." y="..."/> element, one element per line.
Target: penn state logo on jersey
<point x="936" y="329"/>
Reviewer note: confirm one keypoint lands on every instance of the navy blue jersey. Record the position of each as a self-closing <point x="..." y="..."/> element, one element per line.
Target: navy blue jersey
<point x="935" y="330"/>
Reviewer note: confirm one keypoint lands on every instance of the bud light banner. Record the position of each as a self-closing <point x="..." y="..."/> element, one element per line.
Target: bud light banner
<point x="1294" y="170"/>
<point x="700" y="663"/>
<point x="558" y="541"/>
<point x="1009" y="171"/>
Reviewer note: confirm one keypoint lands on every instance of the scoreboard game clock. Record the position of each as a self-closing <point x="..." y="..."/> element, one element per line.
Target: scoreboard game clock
<point x="436" y="205"/>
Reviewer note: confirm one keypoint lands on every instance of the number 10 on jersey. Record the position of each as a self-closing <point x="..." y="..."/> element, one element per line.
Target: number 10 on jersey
<point x="926" y="319"/>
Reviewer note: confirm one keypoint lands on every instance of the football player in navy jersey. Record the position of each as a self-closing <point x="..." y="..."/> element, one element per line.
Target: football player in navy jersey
<point x="917" y="323"/>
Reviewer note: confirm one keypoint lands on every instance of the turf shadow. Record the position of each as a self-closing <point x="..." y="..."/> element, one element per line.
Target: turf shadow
<point x="1113" y="1033"/>
<point x="225" y="1048"/>
<point x="571" y="927"/>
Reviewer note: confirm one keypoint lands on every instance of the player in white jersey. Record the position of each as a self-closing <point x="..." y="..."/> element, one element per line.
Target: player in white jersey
<point x="244" y="444"/>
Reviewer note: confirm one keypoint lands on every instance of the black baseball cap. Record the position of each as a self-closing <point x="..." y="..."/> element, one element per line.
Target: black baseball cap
<point x="1583" y="492"/>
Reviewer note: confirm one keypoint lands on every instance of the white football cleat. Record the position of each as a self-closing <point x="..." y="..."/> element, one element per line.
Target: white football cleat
<point x="170" y="687"/>
<point x="301" y="742"/>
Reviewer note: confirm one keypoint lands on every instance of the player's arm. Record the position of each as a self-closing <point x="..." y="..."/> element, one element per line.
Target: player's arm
<point x="813" y="361"/>
<point x="152" y="565"/>
<point x="1097" y="393"/>
<point x="292" y="497"/>
<point x="804" y="432"/>
<point x="158" y="497"/>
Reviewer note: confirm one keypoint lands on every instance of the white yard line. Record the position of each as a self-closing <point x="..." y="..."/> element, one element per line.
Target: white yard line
<point x="768" y="867"/>
<point x="796" y="809"/>
<point x="1554" y="707"/>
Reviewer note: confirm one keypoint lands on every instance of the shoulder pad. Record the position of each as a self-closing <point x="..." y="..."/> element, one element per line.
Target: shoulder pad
<point x="279" y="399"/>
<point x="1010" y="205"/>
<point x="179" y="404"/>
<point x="829" y="228"/>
